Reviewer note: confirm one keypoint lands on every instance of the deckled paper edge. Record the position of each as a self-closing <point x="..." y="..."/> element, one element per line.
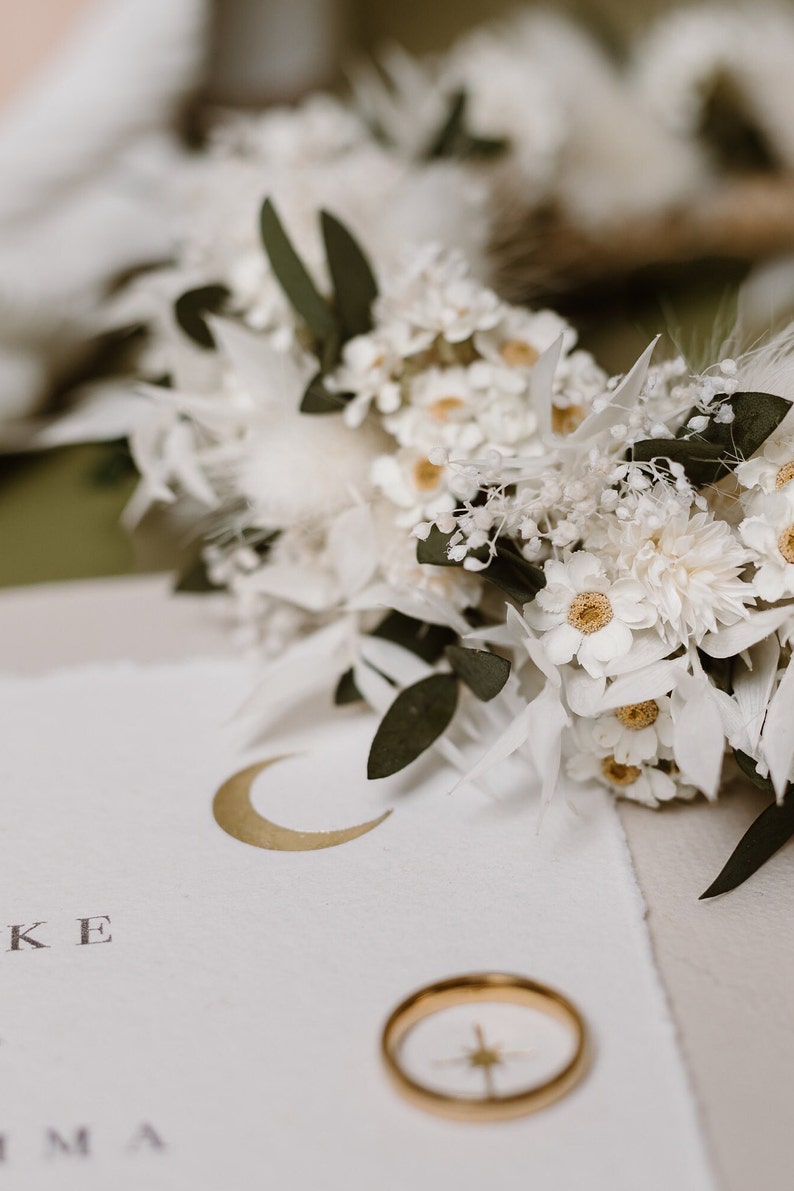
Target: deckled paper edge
<point x="667" y="1016"/>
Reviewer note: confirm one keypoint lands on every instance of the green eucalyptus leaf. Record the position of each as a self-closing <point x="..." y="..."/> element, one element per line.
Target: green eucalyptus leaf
<point x="454" y="140"/>
<point x="484" y="673"/>
<point x="330" y="350"/>
<point x="346" y="690"/>
<point x="703" y="462"/>
<point x="747" y="766"/>
<point x="427" y="641"/>
<point x="355" y="288"/>
<point x="508" y="569"/>
<point x="294" y="277"/>
<point x="483" y="147"/>
<point x="191" y="309"/>
<point x="766" y="835"/>
<point x="433" y="550"/>
<point x="719" y="670"/>
<point x="755" y="417"/>
<point x="444" y="141"/>
<point x="416" y="718"/>
<point x="512" y="574"/>
<point x="318" y="400"/>
<point x="714" y="452"/>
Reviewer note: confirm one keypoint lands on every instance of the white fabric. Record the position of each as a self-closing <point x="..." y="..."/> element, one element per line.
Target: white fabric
<point x="237" y="1009"/>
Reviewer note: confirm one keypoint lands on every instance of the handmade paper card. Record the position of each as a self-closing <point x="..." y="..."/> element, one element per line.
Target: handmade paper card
<point x="195" y="1003"/>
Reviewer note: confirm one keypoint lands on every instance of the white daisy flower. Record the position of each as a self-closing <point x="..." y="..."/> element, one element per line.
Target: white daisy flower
<point x="413" y="483"/>
<point x="770" y="536"/>
<point x="771" y="470"/>
<point x="649" y="784"/>
<point x="439" y="411"/>
<point x="586" y="615"/>
<point x="521" y="336"/>
<point x="636" y="733"/>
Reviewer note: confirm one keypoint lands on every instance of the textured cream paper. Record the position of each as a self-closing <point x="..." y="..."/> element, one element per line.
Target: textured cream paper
<point x="235" y="1014"/>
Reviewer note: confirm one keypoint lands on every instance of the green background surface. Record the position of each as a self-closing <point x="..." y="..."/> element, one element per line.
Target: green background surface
<point x="59" y="517"/>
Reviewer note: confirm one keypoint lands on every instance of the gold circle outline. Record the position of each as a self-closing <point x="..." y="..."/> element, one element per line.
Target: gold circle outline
<point x="463" y="990"/>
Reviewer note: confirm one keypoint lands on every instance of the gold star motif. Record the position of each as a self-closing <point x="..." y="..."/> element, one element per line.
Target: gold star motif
<point x="484" y="1057"/>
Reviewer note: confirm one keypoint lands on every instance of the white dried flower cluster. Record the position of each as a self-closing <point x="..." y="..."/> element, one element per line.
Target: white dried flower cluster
<point x="450" y="370"/>
<point x="662" y="624"/>
<point x="646" y="521"/>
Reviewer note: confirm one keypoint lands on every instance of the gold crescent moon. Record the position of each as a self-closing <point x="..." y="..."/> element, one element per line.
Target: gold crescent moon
<point x="233" y="812"/>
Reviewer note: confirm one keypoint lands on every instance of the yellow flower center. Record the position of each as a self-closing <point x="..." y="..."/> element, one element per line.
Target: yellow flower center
<point x="785" y="543"/>
<point x="426" y="475"/>
<point x="565" y="421"/>
<point x="619" y="775"/>
<point x="589" y="612"/>
<point x="518" y="354"/>
<point x="785" y="474"/>
<point x="440" y="410"/>
<point x="636" y="716"/>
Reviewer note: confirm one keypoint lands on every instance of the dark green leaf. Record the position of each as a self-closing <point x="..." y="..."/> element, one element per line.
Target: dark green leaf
<point x="427" y="641"/>
<point x="318" y="400"/>
<point x="756" y="416"/>
<point x="483" y="147"/>
<point x="769" y="832"/>
<point x="191" y="309"/>
<point x="330" y="349"/>
<point x="484" y="673"/>
<point x="355" y="288"/>
<point x="433" y="550"/>
<point x="508" y="569"/>
<point x="747" y="766"/>
<point x="195" y="580"/>
<point x="294" y="277"/>
<point x="703" y="462"/>
<point x="512" y="574"/>
<point x="443" y="142"/>
<point x="713" y="453"/>
<point x="416" y="718"/>
<point x="346" y="690"/>
<point x="454" y="140"/>
<point x="719" y="670"/>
